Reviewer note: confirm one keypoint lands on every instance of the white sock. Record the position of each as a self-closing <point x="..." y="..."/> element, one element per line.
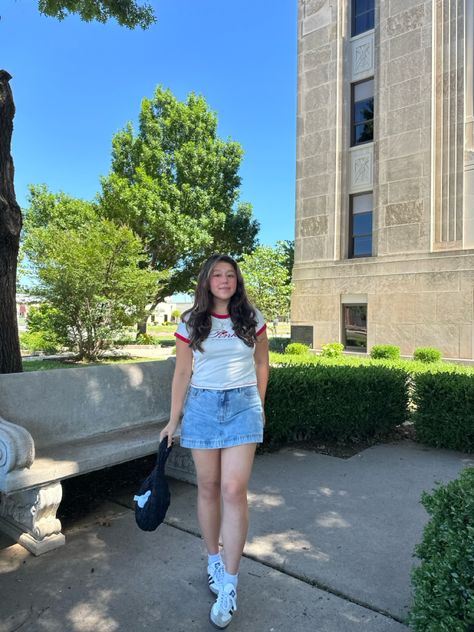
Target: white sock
<point x="212" y="559"/>
<point x="231" y="579"/>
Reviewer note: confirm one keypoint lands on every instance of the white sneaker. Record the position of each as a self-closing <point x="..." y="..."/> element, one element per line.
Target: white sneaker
<point x="226" y="604"/>
<point x="215" y="576"/>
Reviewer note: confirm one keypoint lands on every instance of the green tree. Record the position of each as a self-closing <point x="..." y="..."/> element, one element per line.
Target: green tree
<point x="127" y="12"/>
<point x="94" y="279"/>
<point x="287" y="248"/>
<point x="48" y="321"/>
<point x="176" y="184"/>
<point x="175" y="314"/>
<point x="267" y="280"/>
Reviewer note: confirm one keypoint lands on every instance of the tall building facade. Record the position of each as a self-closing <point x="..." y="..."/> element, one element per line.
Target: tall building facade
<point x="384" y="244"/>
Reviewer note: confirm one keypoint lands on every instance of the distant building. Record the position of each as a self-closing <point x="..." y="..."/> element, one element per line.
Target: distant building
<point x="24" y="302"/>
<point x="163" y="312"/>
<point x="384" y="250"/>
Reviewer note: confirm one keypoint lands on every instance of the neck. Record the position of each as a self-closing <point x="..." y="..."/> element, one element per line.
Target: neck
<point x="220" y="307"/>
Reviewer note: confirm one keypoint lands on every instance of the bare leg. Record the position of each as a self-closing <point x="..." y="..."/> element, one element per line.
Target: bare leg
<point x="208" y="471"/>
<point x="236" y="467"/>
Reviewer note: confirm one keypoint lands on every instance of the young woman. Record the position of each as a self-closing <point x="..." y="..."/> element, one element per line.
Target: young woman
<point x="222" y="352"/>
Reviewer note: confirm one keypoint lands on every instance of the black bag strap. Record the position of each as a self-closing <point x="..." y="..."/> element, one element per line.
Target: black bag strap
<point x="163" y="453"/>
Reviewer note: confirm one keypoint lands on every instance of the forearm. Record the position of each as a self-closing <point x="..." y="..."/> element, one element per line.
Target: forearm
<point x="179" y="389"/>
<point x="262" y="371"/>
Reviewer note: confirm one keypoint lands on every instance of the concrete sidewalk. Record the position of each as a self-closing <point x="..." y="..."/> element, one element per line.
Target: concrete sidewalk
<point x="329" y="549"/>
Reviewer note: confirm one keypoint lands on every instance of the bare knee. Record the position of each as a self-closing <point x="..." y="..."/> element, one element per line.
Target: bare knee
<point x="234" y="492"/>
<point x="209" y="490"/>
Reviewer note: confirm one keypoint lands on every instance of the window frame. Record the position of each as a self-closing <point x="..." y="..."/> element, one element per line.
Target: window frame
<point x="353" y="103"/>
<point x="354" y="15"/>
<point x="351" y="254"/>
<point x="344" y="328"/>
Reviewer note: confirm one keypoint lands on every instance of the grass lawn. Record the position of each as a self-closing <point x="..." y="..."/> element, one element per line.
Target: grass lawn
<point x="161" y="329"/>
<point x="45" y="365"/>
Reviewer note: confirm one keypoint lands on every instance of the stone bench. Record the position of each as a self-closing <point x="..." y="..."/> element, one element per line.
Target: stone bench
<point x="56" y="424"/>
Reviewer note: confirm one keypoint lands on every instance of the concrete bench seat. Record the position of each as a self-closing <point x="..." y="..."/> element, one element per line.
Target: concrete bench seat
<point x="61" y="423"/>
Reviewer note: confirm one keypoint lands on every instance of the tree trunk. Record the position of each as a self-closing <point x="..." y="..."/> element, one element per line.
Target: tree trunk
<point x="10" y="227"/>
<point x="142" y="325"/>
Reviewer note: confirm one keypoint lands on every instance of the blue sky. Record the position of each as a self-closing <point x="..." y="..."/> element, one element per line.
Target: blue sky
<point x="76" y="84"/>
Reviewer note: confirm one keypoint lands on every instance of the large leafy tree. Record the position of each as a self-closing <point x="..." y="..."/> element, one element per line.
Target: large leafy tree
<point x="127" y="13"/>
<point x="176" y="184"/>
<point x="91" y="273"/>
<point x="267" y="279"/>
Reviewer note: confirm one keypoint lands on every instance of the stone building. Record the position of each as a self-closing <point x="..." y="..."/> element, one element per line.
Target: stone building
<point x="385" y="175"/>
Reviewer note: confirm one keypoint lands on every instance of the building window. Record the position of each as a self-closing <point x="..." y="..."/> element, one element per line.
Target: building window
<point x="360" y="242"/>
<point x="362" y="112"/>
<point x="355" y="327"/>
<point x="362" y="16"/>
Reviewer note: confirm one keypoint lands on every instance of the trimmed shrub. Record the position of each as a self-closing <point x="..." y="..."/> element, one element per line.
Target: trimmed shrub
<point x="296" y="348"/>
<point x="147" y="339"/>
<point x="386" y="352"/>
<point x="34" y="341"/>
<point x="333" y="403"/>
<point x="278" y="345"/>
<point x="427" y="354"/>
<point x="444" y="410"/>
<point x="444" y="582"/>
<point x="332" y="350"/>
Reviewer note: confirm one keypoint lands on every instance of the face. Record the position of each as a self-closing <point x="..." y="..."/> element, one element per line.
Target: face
<point x="223" y="281"/>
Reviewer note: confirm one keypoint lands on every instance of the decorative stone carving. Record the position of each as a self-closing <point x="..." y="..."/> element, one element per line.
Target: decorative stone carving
<point x="30" y="517"/>
<point x="17" y="448"/>
<point x="362" y="57"/>
<point x="361" y="161"/>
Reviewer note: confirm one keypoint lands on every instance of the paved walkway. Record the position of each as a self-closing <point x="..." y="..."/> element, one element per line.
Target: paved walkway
<point x="329" y="549"/>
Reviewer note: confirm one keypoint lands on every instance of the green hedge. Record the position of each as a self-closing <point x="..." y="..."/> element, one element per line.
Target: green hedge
<point x="444" y="582"/>
<point x="278" y="344"/>
<point x="332" y="350"/>
<point x="45" y="341"/>
<point x="296" y="348"/>
<point x="390" y="352"/>
<point x="427" y="354"/>
<point x="444" y="410"/>
<point x="333" y="403"/>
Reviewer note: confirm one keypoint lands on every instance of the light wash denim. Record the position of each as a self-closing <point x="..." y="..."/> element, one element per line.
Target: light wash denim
<point x="222" y="419"/>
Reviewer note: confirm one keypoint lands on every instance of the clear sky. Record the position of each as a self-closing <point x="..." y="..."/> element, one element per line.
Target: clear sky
<point x="75" y="84"/>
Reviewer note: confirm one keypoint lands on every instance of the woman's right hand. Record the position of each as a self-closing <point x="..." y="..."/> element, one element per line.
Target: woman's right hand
<point x="168" y="431"/>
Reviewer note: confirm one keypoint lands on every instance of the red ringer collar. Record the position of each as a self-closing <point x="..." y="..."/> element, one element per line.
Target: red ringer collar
<point x="220" y="315"/>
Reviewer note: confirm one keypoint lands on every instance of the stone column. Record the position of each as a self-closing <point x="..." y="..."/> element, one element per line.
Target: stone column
<point x="319" y="137"/>
<point x="468" y="241"/>
<point x="448" y="124"/>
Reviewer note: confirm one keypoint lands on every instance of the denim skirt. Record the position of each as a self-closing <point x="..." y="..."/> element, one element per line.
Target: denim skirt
<point x="222" y="419"/>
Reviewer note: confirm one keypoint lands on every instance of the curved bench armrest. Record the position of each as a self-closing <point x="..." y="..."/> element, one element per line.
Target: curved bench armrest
<point x="17" y="448"/>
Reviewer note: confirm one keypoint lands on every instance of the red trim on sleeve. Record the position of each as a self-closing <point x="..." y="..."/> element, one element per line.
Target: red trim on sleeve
<point x="261" y="330"/>
<point x="182" y="337"/>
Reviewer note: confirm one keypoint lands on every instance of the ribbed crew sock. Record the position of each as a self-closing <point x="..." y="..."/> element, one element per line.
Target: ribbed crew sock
<point x="212" y="559"/>
<point x="231" y="579"/>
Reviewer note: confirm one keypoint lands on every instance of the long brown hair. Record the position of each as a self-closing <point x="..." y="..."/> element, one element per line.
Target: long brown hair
<point x="243" y="315"/>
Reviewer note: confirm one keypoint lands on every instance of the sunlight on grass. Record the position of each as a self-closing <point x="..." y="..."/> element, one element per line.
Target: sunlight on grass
<point x="46" y="365"/>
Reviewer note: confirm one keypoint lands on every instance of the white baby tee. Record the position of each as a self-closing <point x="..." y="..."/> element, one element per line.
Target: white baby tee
<point x="226" y="361"/>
